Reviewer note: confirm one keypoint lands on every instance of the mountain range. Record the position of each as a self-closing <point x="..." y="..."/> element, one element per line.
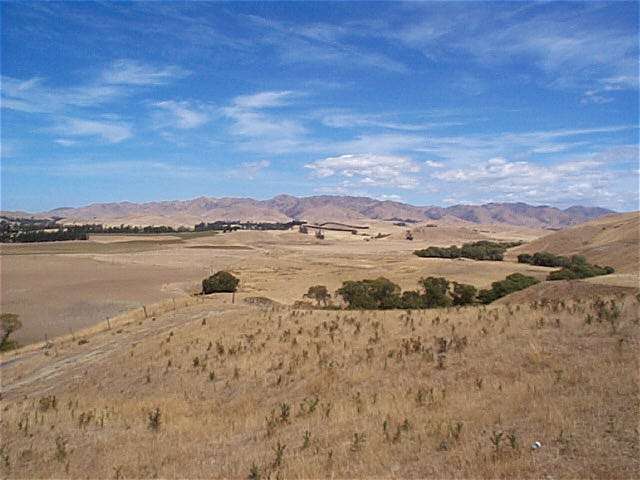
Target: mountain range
<point x="283" y="208"/>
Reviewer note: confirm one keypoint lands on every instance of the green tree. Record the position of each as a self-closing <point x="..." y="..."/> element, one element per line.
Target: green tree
<point x="9" y="323"/>
<point x="435" y="292"/>
<point x="412" y="300"/>
<point x="319" y="293"/>
<point x="220" y="282"/>
<point x="379" y="293"/>
<point x="463" y="294"/>
<point x="512" y="283"/>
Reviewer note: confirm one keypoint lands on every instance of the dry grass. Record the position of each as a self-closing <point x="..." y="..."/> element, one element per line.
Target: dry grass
<point x="234" y="391"/>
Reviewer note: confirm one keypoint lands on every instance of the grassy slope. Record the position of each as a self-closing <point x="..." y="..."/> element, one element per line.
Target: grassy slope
<point x="537" y="372"/>
<point x="611" y="240"/>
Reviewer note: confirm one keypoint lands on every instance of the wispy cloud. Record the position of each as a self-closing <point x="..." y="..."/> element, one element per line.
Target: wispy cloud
<point x="369" y="170"/>
<point x="249" y="170"/>
<point x="131" y="72"/>
<point x="180" y="115"/>
<point x="36" y="95"/>
<point x="109" y="131"/>
<point x="323" y="44"/>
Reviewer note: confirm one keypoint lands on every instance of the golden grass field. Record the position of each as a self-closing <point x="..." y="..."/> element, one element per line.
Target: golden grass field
<point x="455" y="393"/>
<point x="200" y="387"/>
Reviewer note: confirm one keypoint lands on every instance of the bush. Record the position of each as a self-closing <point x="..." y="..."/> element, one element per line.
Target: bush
<point x="579" y="268"/>
<point x="220" y="282"/>
<point x="463" y="294"/>
<point x="9" y="323"/>
<point x="380" y="293"/>
<point x="482" y="250"/>
<point x="544" y="259"/>
<point x="512" y="283"/>
<point x="439" y="252"/>
<point x="435" y="292"/>
<point x="412" y="300"/>
<point x="319" y="293"/>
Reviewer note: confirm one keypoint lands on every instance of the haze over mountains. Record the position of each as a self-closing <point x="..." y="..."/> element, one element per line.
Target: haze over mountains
<point x="284" y="208"/>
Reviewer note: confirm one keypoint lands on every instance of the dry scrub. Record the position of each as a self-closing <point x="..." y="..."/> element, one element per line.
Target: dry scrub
<point x="275" y="393"/>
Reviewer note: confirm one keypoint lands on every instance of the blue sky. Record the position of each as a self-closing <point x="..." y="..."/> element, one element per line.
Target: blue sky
<point x="428" y="103"/>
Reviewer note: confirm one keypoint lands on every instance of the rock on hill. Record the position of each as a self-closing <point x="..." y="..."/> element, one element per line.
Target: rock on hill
<point x="611" y="240"/>
<point x="326" y="208"/>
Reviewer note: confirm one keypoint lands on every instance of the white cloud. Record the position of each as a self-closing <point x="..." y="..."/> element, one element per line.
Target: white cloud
<point x="369" y="169"/>
<point x="33" y="96"/>
<point x="250" y="169"/>
<point x="112" y="132"/>
<point x="583" y="180"/>
<point x="432" y="164"/>
<point x="321" y="43"/>
<point x="262" y="130"/>
<point x="181" y="115"/>
<point x="131" y="72"/>
<point x="263" y="99"/>
<point x="65" y="142"/>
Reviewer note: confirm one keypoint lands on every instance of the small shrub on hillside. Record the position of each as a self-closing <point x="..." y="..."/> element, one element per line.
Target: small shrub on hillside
<point x="9" y="323"/>
<point x="220" y="282"/>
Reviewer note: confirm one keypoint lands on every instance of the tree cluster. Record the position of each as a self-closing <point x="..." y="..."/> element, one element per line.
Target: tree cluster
<point x="226" y="226"/>
<point x="383" y="294"/>
<point x="481" y="250"/>
<point x="573" y="267"/>
<point x="512" y="283"/>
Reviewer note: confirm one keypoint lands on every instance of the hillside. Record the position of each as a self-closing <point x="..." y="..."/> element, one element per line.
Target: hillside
<point x="215" y="390"/>
<point x="322" y="208"/>
<point x="611" y="240"/>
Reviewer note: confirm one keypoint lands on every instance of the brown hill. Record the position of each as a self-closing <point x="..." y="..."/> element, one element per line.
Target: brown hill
<point x="611" y="240"/>
<point x="321" y="208"/>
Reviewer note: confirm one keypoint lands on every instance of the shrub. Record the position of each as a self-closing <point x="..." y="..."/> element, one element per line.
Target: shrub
<point x="578" y="267"/>
<point x="380" y="293"/>
<point x="512" y="283"/>
<point x="544" y="259"/>
<point x="435" y="292"/>
<point x="9" y="323"/>
<point x="319" y="293"/>
<point x="412" y="300"/>
<point x="481" y="250"/>
<point x="463" y="294"/>
<point x="220" y="282"/>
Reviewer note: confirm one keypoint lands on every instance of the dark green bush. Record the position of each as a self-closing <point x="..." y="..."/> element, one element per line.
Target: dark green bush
<point x="463" y="294"/>
<point x="412" y="300"/>
<point x="384" y="294"/>
<point x="512" y="283"/>
<point x="435" y="292"/>
<point x="380" y="293"/>
<point x="482" y="250"/>
<point x="578" y="267"/>
<point x="9" y="323"/>
<point x="544" y="259"/>
<point x="220" y="282"/>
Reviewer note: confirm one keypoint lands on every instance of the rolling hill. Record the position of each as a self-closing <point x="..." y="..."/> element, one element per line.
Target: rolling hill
<point x="610" y="240"/>
<point x="322" y="208"/>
